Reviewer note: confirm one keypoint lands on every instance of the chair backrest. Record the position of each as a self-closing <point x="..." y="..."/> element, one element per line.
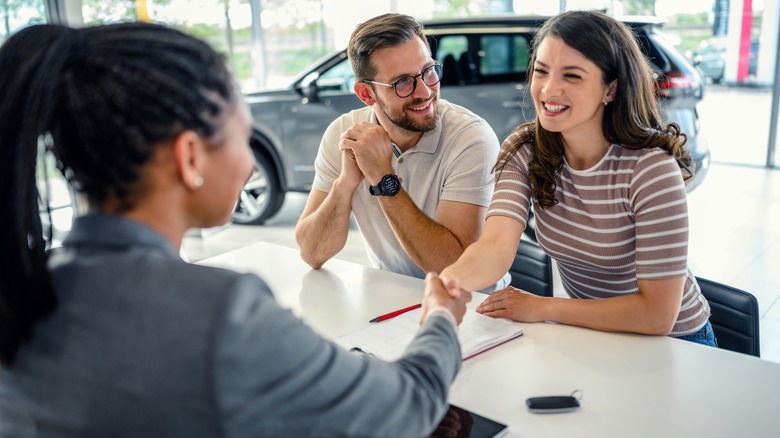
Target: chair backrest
<point x="734" y="316"/>
<point x="532" y="269"/>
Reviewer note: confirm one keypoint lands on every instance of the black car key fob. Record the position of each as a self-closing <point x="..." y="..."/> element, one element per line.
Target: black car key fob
<point x="552" y="404"/>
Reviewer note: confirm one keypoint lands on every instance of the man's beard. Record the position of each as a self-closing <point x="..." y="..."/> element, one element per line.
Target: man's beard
<point x="403" y="121"/>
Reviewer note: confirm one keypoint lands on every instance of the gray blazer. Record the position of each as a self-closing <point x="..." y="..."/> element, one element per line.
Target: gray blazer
<point x="145" y="345"/>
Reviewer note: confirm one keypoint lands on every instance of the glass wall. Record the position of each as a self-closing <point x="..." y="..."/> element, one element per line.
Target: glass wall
<point x="268" y="43"/>
<point x="738" y="65"/>
<point x="17" y="14"/>
<point x="226" y="28"/>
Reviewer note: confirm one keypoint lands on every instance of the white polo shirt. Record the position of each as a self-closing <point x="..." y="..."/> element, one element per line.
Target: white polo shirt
<point x="452" y="162"/>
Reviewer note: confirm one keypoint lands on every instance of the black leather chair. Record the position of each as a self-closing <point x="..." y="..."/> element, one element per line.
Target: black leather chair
<point x="532" y="269"/>
<point x="734" y="317"/>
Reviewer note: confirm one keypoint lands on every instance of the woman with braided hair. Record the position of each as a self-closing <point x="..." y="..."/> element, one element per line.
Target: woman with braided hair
<point x="114" y="335"/>
<point x="604" y="175"/>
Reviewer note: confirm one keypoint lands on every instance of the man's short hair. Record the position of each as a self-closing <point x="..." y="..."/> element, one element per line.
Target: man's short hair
<point x="380" y="32"/>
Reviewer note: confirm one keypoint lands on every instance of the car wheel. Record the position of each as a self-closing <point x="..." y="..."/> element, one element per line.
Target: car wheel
<point x="262" y="195"/>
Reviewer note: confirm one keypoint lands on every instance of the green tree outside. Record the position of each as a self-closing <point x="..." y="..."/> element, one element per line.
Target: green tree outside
<point x="11" y="11"/>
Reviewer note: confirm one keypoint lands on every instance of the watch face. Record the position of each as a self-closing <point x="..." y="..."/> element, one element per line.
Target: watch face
<point x="390" y="185"/>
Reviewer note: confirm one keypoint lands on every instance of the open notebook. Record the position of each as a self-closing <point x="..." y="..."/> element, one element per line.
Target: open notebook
<point x="387" y="340"/>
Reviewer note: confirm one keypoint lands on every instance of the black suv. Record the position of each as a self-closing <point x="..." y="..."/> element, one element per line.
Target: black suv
<point x="485" y="63"/>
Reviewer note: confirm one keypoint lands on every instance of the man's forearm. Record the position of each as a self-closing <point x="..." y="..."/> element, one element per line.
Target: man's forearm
<point x="323" y="233"/>
<point x="430" y="245"/>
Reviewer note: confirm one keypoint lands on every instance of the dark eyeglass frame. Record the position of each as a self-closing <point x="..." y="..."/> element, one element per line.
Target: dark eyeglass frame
<point x="437" y="68"/>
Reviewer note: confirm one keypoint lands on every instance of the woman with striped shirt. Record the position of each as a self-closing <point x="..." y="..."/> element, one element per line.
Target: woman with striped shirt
<point x="605" y="176"/>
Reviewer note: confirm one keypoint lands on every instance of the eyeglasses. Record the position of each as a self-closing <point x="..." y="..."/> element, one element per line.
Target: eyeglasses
<point x="405" y="86"/>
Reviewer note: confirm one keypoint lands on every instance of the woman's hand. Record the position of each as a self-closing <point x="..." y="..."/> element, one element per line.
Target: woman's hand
<point x="514" y="304"/>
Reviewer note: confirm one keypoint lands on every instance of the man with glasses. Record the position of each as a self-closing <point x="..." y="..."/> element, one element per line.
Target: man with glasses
<point x="414" y="169"/>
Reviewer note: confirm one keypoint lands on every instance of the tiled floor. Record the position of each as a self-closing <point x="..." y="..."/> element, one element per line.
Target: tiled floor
<point x="734" y="238"/>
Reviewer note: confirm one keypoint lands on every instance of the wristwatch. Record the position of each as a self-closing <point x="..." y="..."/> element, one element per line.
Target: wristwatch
<point x="389" y="185"/>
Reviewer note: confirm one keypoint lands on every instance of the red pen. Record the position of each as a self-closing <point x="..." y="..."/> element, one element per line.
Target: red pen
<point x="395" y="313"/>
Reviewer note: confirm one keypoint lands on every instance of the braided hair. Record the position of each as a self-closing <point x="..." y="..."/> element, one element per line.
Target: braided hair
<point x="101" y="99"/>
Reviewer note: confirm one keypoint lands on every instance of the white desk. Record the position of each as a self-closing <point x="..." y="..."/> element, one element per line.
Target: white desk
<point x="633" y="385"/>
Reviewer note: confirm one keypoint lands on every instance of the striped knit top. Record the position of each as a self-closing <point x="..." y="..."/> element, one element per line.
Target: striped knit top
<point x="624" y="219"/>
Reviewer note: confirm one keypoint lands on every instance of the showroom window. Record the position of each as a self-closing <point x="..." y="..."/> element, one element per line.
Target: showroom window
<point x="18" y="14"/>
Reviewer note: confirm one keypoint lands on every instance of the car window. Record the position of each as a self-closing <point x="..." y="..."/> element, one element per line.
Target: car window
<point x="652" y="41"/>
<point x="481" y="58"/>
<point x="451" y="51"/>
<point x="454" y="45"/>
<point x="338" y="79"/>
<point x="503" y="58"/>
<point x="503" y="54"/>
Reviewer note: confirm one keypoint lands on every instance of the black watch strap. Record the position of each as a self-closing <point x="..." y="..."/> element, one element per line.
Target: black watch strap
<point x="389" y="185"/>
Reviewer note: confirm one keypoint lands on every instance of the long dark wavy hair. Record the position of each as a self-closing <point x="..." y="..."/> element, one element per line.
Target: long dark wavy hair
<point x="101" y="99"/>
<point x="632" y="120"/>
